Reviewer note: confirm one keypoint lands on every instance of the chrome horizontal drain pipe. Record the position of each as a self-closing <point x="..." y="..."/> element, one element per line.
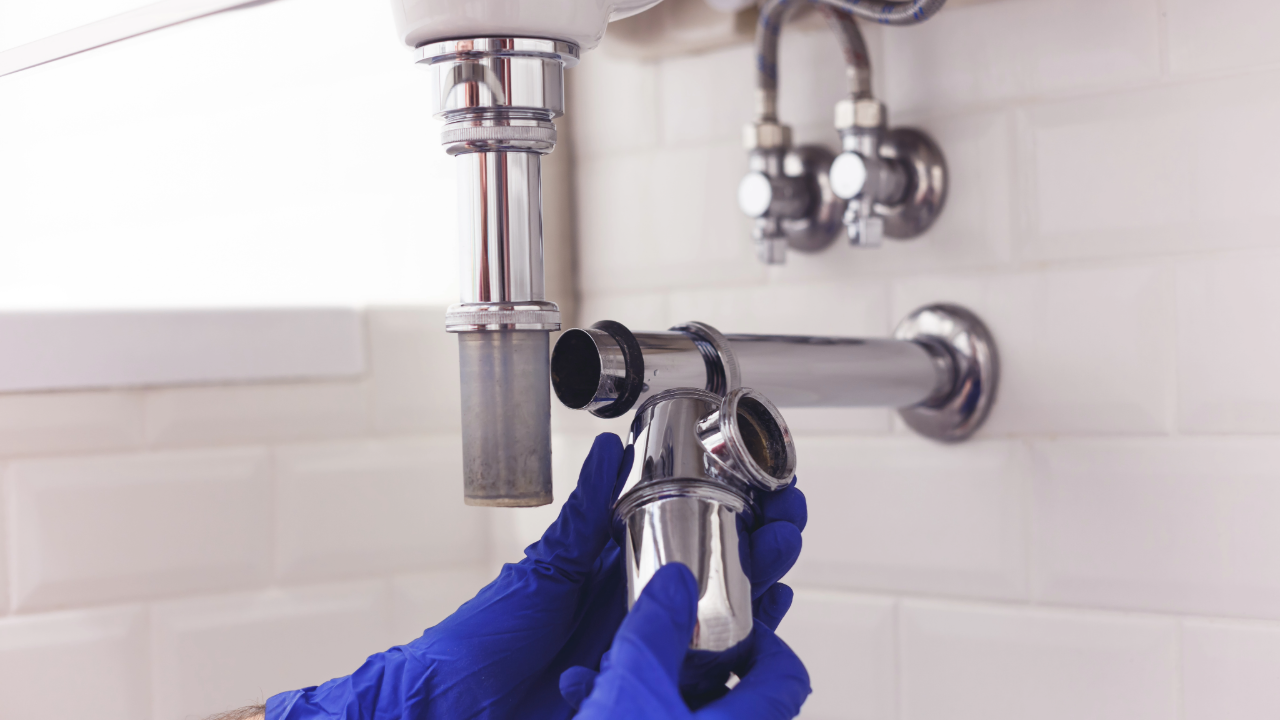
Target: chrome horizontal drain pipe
<point x="940" y="369"/>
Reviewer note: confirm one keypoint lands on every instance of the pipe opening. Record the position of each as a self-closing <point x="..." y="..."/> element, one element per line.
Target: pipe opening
<point x="764" y="438"/>
<point x="575" y="369"/>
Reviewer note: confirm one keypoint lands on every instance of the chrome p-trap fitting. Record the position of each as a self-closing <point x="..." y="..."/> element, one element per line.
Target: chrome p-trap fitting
<point x="690" y="498"/>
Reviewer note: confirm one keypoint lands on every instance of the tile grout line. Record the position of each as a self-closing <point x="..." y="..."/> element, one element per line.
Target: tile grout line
<point x="1162" y="40"/>
<point x="899" y="653"/>
<point x="1180" y="710"/>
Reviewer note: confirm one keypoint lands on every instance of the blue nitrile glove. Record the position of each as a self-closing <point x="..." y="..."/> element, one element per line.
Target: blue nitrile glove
<point x="640" y="674"/>
<point x="502" y="653"/>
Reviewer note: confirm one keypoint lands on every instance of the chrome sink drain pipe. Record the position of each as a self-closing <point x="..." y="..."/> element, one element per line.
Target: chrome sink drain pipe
<point x="498" y="97"/>
<point x="940" y="369"/>
<point x="700" y="459"/>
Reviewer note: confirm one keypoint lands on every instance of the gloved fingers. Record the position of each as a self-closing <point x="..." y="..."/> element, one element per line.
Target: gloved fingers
<point x="774" y="604"/>
<point x="774" y="550"/>
<point x="774" y="684"/>
<point x="787" y="505"/>
<point x="654" y="636"/>
<point x="572" y="543"/>
<point x="705" y="696"/>
<point x="576" y="684"/>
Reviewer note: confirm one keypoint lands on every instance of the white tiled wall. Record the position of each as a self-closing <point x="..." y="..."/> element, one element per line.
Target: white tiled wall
<point x="173" y="552"/>
<point x="1107" y="547"/>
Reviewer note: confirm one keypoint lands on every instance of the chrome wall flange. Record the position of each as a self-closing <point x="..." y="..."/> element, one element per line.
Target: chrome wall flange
<point x="926" y="190"/>
<point x="975" y="364"/>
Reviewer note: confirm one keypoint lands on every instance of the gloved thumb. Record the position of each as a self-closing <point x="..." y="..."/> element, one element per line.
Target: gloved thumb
<point x="576" y="684"/>
<point x="652" y="640"/>
<point x="574" y="541"/>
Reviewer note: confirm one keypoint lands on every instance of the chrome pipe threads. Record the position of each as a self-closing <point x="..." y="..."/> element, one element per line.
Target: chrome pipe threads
<point x="700" y="459"/>
<point x="498" y="98"/>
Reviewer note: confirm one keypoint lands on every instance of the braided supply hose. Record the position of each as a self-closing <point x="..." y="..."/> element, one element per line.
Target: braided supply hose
<point x="840" y="14"/>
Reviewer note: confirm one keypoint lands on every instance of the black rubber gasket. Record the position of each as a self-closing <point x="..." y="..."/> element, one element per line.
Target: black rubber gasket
<point x="633" y="383"/>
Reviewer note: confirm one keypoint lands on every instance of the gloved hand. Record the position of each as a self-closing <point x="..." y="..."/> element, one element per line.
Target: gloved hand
<point x="502" y="653"/>
<point x="640" y="673"/>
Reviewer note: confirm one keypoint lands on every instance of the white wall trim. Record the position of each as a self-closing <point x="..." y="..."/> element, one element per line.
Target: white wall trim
<point x="80" y="350"/>
<point x="113" y="29"/>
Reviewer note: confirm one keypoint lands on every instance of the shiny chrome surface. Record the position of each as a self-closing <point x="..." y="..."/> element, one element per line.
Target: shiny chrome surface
<point x="820" y="223"/>
<point x="884" y="183"/>
<point x="918" y="204"/>
<point x="498" y="97"/>
<point x="506" y="418"/>
<point x="672" y="359"/>
<point x="590" y="373"/>
<point x="500" y="226"/>
<point x="941" y="369"/>
<point x="803" y="371"/>
<point x="793" y="370"/>
<point x="963" y="335"/>
<point x="895" y="180"/>
<point x="498" y="93"/>
<point x="788" y="193"/>
<point x="689" y="498"/>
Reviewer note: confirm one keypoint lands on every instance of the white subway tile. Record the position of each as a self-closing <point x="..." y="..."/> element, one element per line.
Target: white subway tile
<point x="74" y="665"/>
<point x="974" y="229"/>
<point x="217" y="653"/>
<point x="48" y="423"/>
<point x="812" y="78"/>
<point x="1229" y="670"/>
<point x="415" y="371"/>
<point x="809" y="309"/>
<point x="612" y="104"/>
<point x="6" y="523"/>
<point x="696" y="110"/>
<point x="422" y="600"/>
<point x="370" y="507"/>
<point x="974" y="663"/>
<point x="640" y="311"/>
<point x="1224" y="380"/>
<point x="648" y="222"/>
<point x="821" y="421"/>
<point x="255" y="413"/>
<point x="1182" y="525"/>
<point x="1236" y="34"/>
<point x="1081" y="350"/>
<point x="103" y="349"/>
<point x="614" y="206"/>
<point x="97" y="529"/>
<point x="1142" y="172"/>
<point x="993" y="52"/>
<point x="905" y="514"/>
<point x="847" y="643"/>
